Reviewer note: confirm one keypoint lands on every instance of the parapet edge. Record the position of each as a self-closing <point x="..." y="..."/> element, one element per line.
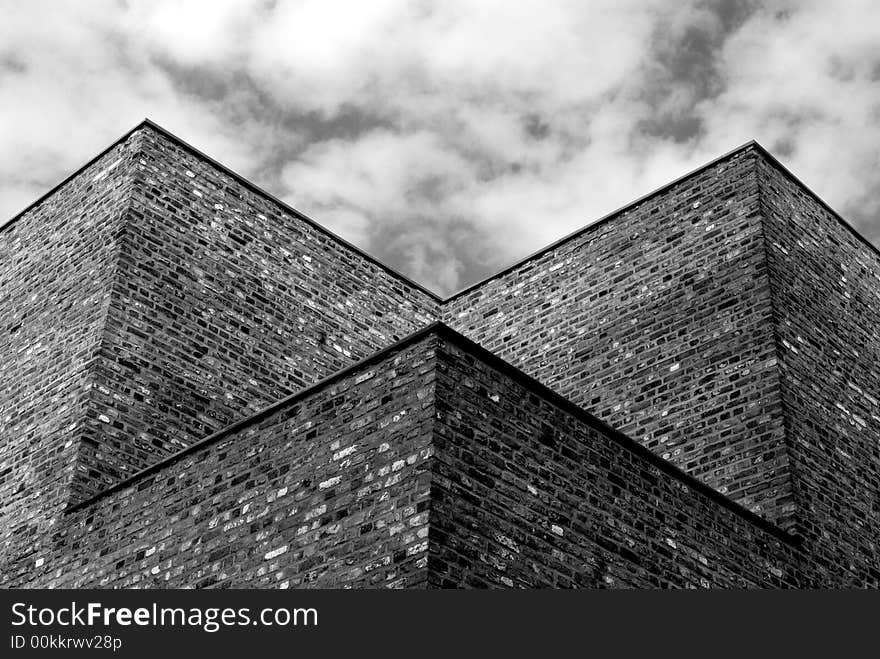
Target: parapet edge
<point x="443" y="331"/>
<point x="761" y="150"/>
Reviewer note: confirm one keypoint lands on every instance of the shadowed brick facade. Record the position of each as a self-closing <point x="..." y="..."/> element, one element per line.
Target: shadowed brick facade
<point x="202" y="387"/>
<point x="56" y="276"/>
<point x="659" y="321"/>
<point x="223" y="302"/>
<point x="825" y="284"/>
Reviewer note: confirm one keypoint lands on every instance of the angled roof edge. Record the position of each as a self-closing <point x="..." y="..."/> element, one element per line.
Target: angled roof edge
<point x="632" y="204"/>
<point x="147" y="123"/>
<point x="470" y="287"/>
<point x="773" y="160"/>
<point x="444" y="331"/>
<point x="255" y="417"/>
<point x="612" y="433"/>
<point x="79" y="170"/>
<point x="253" y="187"/>
<point x="601" y="221"/>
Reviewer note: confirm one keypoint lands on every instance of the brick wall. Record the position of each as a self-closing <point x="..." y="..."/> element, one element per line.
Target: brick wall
<point x="155" y="298"/>
<point x="728" y="323"/>
<point x="56" y="268"/>
<point x="530" y="492"/>
<point x="431" y="464"/>
<point x="328" y="490"/>
<point x="658" y="320"/>
<point x="222" y="302"/>
<point x="826" y="299"/>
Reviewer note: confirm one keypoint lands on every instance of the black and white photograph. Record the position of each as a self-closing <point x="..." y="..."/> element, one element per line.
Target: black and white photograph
<point x="420" y="295"/>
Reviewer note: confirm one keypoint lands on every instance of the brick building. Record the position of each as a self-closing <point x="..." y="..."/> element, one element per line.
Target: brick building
<point x="199" y="386"/>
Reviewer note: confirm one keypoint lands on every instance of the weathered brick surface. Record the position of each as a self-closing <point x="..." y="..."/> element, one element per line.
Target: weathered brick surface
<point x="826" y="300"/>
<point x="431" y="465"/>
<point x="525" y="493"/>
<point x="329" y="490"/>
<point x="658" y="320"/>
<point x="56" y="269"/>
<point x="728" y="323"/>
<point x="223" y="302"/>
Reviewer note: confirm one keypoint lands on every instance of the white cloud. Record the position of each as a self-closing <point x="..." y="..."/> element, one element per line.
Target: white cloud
<point x="449" y="137"/>
<point x="806" y="83"/>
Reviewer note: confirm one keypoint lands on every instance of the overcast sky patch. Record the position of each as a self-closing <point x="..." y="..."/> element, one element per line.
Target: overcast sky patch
<point x="450" y="138"/>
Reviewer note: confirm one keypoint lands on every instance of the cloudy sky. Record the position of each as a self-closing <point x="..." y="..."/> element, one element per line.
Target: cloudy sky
<point x="449" y="138"/>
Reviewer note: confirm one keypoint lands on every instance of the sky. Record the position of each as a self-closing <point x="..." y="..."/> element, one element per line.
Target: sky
<point x="449" y="138"/>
